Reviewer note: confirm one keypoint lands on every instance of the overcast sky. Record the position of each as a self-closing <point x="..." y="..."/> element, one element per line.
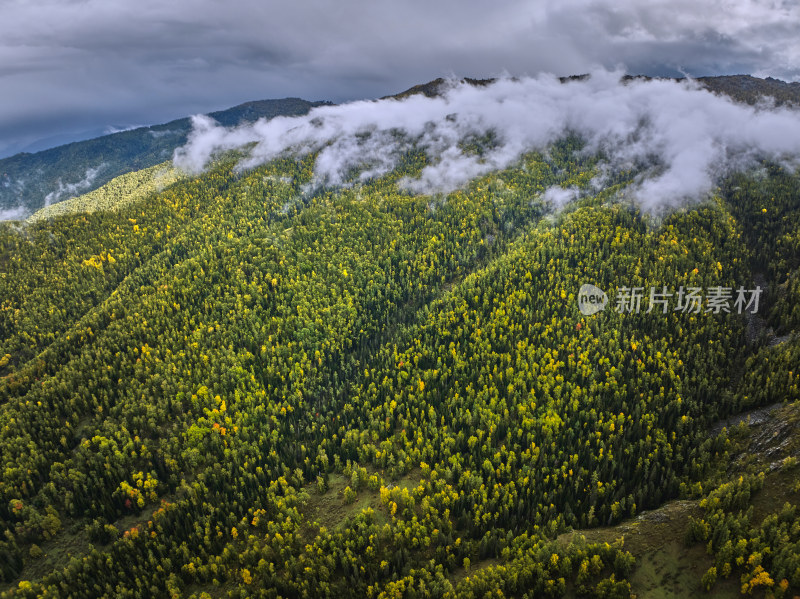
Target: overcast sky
<point x="70" y="67"/>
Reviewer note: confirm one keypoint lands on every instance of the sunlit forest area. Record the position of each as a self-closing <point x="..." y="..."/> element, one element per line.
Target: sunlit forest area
<point x="246" y="385"/>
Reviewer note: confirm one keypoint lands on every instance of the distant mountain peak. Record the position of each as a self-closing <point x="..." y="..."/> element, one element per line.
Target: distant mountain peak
<point x="742" y="88"/>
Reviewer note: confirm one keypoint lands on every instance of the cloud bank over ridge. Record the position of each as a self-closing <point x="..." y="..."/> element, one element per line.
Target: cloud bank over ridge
<point x="70" y="67"/>
<point x="691" y="135"/>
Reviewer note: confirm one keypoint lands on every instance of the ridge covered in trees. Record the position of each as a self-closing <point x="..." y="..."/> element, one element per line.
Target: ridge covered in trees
<point x="186" y="379"/>
<point x="32" y="181"/>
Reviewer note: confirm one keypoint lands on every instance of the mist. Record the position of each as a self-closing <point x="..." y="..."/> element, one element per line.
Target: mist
<point x="70" y="190"/>
<point x="689" y="136"/>
<point x="17" y="213"/>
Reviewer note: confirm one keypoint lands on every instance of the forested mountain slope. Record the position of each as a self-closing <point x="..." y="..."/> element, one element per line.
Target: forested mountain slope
<point x="29" y="182"/>
<point x="249" y="385"/>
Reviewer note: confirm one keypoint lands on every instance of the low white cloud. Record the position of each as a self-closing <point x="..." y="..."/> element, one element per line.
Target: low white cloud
<point x="17" y="213"/>
<point x="111" y="129"/>
<point x="560" y="196"/>
<point x="70" y="190"/>
<point x="689" y="135"/>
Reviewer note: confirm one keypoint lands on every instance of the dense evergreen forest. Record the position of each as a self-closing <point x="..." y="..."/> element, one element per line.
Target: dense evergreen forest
<point x="244" y="385"/>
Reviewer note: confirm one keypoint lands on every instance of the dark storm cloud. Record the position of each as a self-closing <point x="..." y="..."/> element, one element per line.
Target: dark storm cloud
<point x="77" y="65"/>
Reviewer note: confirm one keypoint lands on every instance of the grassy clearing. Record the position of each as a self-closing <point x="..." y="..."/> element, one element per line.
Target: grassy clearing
<point x="665" y="567"/>
<point x="56" y="553"/>
<point x="330" y="510"/>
